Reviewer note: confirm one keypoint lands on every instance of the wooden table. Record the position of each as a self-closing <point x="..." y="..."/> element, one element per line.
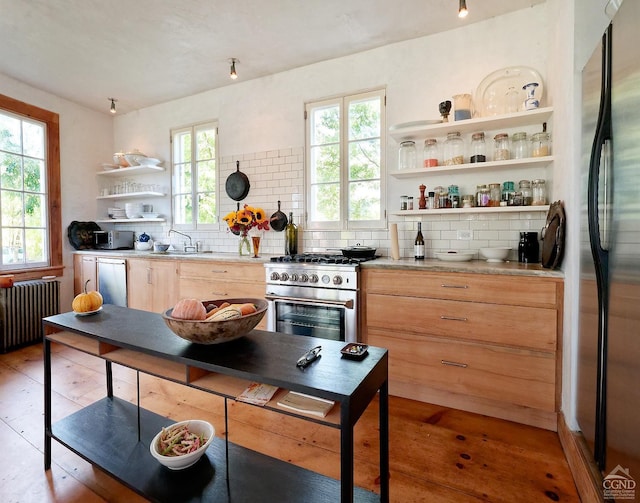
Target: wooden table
<point x="114" y="434"/>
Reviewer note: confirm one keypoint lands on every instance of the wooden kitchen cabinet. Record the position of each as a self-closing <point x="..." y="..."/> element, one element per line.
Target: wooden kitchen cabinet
<point x="152" y="285"/>
<point x="478" y="342"/>
<point x="220" y="280"/>
<point x="84" y="268"/>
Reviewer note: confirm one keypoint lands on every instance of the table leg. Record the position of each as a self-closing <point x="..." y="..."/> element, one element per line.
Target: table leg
<point x="109" y="374"/>
<point x="47" y="404"/>
<point x="384" y="442"/>
<point x="346" y="454"/>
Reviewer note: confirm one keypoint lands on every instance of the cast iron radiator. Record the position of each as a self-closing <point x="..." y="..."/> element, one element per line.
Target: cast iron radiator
<point x="22" y="308"/>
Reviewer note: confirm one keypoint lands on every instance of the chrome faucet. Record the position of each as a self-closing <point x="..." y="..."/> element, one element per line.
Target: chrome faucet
<point x="186" y="248"/>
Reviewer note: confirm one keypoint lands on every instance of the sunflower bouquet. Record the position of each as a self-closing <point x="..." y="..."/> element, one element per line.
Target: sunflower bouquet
<point x="242" y="221"/>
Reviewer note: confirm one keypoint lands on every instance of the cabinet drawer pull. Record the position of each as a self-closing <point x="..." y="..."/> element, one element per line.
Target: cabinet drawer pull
<point x="453" y="364"/>
<point x="454" y="286"/>
<point x="220" y="294"/>
<point x="218" y="271"/>
<point x="452" y="318"/>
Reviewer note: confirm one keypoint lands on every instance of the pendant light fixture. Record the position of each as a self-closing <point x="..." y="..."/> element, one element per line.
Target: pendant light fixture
<point x="112" y="108"/>
<point x="462" y="10"/>
<point x="233" y="74"/>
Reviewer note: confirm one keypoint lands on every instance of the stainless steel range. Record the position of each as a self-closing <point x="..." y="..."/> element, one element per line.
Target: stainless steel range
<point x="313" y="295"/>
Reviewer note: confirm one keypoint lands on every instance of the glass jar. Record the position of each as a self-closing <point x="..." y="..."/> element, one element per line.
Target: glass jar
<point x="468" y="201"/>
<point x="407" y="155"/>
<point x="454" y="197"/>
<point x="539" y="190"/>
<point x="404" y="202"/>
<point x="508" y="192"/>
<point x="540" y="144"/>
<point x="436" y="196"/>
<point x="430" y="153"/>
<point x="520" y="145"/>
<point x="495" y="194"/>
<point x="443" y="199"/>
<point x="524" y="186"/>
<point x="410" y="203"/>
<point x="501" y="147"/>
<point x="478" y="148"/>
<point x="482" y="196"/>
<point x="453" y="149"/>
<point x="431" y="201"/>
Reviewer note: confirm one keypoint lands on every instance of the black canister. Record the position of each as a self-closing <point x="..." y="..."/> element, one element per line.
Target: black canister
<point x="528" y="248"/>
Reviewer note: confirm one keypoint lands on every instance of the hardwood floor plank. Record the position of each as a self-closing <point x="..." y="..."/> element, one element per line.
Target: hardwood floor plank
<point x="437" y="454"/>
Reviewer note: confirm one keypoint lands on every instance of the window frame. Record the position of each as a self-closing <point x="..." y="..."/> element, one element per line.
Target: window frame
<point x="343" y="223"/>
<point x="193" y="128"/>
<point x="51" y="120"/>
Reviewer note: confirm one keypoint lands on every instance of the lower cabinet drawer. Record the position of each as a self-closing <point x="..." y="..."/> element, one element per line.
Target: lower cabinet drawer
<point x="206" y="289"/>
<point x="514" y="376"/>
<point x="528" y="327"/>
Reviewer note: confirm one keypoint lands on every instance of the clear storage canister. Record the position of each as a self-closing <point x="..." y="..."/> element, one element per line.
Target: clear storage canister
<point x="527" y="194"/>
<point x="454" y="196"/>
<point x="520" y="145"/>
<point x="430" y="153"/>
<point x="437" y="192"/>
<point x="478" y="148"/>
<point x="508" y="192"/>
<point x="540" y="145"/>
<point x="453" y="149"/>
<point x="495" y="194"/>
<point x="482" y="196"/>
<point x="407" y="155"/>
<point x="501" y="147"/>
<point x="539" y="190"/>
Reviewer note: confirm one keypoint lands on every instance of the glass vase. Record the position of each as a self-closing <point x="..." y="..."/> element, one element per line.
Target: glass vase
<point x="244" y="247"/>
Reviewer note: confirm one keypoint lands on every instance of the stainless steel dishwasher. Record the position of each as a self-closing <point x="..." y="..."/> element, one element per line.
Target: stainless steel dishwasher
<point x="112" y="280"/>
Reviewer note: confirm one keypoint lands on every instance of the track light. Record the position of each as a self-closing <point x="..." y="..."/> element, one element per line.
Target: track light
<point x="112" y="109"/>
<point x="462" y="10"/>
<point x="233" y="74"/>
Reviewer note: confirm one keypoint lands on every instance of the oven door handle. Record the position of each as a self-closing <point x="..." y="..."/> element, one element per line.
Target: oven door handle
<point x="348" y="304"/>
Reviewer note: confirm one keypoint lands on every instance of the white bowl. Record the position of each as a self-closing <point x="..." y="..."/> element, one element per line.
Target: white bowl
<point x="455" y="256"/>
<point x="186" y="460"/>
<point x="498" y="254"/>
<point x="150" y="214"/>
<point x="160" y="247"/>
<point x="143" y="246"/>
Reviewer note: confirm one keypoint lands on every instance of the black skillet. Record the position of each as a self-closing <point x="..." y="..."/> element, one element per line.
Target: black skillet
<point x="237" y="184"/>
<point x="278" y="220"/>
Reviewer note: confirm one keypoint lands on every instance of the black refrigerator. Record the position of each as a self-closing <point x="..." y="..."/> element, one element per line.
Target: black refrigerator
<point x="608" y="378"/>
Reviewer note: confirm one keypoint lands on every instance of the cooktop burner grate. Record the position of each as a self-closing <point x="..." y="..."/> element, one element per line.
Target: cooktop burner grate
<point x="320" y="258"/>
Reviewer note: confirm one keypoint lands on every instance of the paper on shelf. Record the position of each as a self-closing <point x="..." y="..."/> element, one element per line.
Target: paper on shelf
<point x="257" y="393"/>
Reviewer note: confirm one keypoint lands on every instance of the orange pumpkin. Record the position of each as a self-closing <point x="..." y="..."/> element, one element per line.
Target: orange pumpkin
<point x="87" y="301"/>
<point x="189" y="309"/>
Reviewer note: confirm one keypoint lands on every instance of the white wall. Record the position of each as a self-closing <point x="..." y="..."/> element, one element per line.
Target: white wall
<point x="86" y="139"/>
<point x="266" y="115"/>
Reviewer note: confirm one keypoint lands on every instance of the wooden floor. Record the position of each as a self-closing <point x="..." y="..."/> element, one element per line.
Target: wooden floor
<point x="437" y="454"/>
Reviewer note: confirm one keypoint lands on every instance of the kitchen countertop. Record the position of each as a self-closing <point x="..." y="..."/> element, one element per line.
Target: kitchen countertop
<point x="433" y="265"/>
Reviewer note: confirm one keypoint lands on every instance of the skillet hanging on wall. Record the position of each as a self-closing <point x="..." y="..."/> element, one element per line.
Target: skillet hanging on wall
<point x="278" y="220"/>
<point x="237" y="184"/>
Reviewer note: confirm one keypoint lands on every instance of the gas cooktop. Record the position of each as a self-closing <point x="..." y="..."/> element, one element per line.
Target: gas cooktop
<point x="320" y="258"/>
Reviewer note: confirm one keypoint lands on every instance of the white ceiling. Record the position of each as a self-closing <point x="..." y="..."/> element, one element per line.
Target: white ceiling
<point x="145" y="52"/>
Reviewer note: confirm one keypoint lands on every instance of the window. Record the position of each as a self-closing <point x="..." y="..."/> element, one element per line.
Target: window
<point x="29" y="189"/>
<point x="345" y="162"/>
<point x="195" y="175"/>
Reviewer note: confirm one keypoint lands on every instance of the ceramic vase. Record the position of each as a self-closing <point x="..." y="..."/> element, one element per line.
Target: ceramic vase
<point x="531" y="103"/>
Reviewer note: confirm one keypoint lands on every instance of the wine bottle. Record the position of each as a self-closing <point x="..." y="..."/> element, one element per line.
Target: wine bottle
<point x="418" y="244"/>
<point x="291" y="237"/>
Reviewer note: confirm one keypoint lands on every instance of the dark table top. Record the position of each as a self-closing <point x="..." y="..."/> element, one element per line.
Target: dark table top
<point x="267" y="357"/>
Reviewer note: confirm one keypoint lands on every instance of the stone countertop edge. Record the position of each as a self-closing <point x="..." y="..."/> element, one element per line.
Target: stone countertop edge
<point x="408" y="264"/>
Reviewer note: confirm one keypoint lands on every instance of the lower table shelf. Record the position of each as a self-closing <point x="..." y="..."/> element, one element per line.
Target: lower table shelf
<point x="106" y="434"/>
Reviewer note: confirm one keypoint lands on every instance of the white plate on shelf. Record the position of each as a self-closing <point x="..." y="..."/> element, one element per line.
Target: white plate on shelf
<point x="404" y="125"/>
<point x="491" y="94"/>
<point x="455" y="256"/>
<point x="88" y="313"/>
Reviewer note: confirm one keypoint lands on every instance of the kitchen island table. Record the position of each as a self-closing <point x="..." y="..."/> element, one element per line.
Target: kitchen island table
<point x="114" y="434"/>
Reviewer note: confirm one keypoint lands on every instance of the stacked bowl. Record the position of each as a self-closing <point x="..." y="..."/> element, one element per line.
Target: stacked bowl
<point x="133" y="210"/>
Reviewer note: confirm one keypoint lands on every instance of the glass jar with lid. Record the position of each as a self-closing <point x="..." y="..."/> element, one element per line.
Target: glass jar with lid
<point x="508" y="192"/>
<point x="524" y="186"/>
<point x="482" y="196"/>
<point x="453" y="149"/>
<point x="407" y="155"/>
<point x="501" y="147"/>
<point x="437" y="191"/>
<point x="468" y="201"/>
<point x="478" y="148"/>
<point x="454" y="197"/>
<point x="539" y="191"/>
<point x="520" y="145"/>
<point x="430" y="153"/>
<point x="540" y="144"/>
<point x="495" y="194"/>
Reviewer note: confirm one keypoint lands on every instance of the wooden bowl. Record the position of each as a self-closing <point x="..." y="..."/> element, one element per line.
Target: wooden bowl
<point x="216" y="332"/>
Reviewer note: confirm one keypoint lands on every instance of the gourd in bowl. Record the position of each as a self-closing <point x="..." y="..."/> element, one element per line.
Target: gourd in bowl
<point x="88" y="301"/>
<point x="213" y="322"/>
